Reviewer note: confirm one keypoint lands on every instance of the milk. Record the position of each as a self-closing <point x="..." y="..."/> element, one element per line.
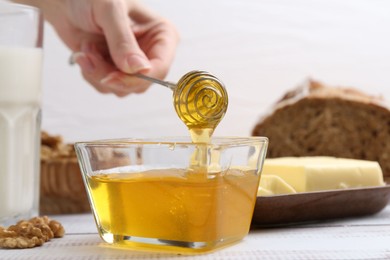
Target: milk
<point x="20" y="116"/>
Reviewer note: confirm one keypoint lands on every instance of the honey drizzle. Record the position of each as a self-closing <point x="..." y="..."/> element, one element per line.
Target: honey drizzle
<point x="200" y="101"/>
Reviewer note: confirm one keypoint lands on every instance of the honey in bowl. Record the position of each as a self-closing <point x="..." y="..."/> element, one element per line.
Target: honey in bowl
<point x="180" y="211"/>
<point x="175" y="194"/>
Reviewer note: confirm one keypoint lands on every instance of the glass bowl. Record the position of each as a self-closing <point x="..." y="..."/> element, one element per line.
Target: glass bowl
<point x="169" y="194"/>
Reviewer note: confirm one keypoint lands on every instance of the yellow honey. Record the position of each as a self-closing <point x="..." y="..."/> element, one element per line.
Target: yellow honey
<point x="172" y="205"/>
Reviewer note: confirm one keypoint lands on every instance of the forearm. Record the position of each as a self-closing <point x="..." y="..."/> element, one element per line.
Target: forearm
<point x="44" y="5"/>
<point x="36" y="3"/>
<point x="49" y="8"/>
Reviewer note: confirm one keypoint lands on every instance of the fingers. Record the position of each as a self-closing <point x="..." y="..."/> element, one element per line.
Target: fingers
<point x="119" y="79"/>
<point x="131" y="40"/>
<point x="159" y="40"/>
<point x="157" y="37"/>
<point x="94" y="69"/>
<point x="141" y="14"/>
<point x="112" y="17"/>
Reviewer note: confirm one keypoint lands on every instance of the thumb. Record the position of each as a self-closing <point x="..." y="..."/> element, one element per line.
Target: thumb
<point x="122" y="43"/>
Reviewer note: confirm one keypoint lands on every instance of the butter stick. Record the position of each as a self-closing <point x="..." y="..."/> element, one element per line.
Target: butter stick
<point x="307" y="174"/>
<point x="274" y="185"/>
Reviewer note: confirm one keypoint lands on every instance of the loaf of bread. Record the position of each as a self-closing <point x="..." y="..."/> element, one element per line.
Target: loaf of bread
<point x="319" y="120"/>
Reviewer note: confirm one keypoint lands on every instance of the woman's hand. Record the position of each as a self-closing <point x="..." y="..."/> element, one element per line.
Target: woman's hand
<point x="113" y="38"/>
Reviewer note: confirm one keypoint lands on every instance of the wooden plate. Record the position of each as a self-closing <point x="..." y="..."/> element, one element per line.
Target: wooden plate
<point x="316" y="206"/>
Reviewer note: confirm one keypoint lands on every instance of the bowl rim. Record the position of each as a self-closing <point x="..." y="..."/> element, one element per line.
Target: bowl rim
<point x="177" y="140"/>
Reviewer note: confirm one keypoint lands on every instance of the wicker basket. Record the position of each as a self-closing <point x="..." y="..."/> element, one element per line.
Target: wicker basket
<point x="62" y="187"/>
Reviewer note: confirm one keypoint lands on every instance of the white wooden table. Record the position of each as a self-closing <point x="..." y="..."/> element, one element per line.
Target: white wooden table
<point x="357" y="238"/>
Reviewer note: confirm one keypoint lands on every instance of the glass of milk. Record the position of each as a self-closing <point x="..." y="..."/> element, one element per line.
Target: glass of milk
<point x="20" y="111"/>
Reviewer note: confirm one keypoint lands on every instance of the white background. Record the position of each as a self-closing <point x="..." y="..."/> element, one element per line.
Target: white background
<point x="259" y="49"/>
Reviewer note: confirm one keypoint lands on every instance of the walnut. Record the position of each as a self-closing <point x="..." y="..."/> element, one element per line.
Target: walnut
<point x="54" y="147"/>
<point x="45" y="152"/>
<point x="57" y="228"/>
<point x="19" y="242"/>
<point x="24" y="236"/>
<point x="50" y="141"/>
<point x="30" y="233"/>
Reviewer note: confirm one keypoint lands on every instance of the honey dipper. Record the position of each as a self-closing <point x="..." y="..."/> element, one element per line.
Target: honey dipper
<point x="200" y="99"/>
